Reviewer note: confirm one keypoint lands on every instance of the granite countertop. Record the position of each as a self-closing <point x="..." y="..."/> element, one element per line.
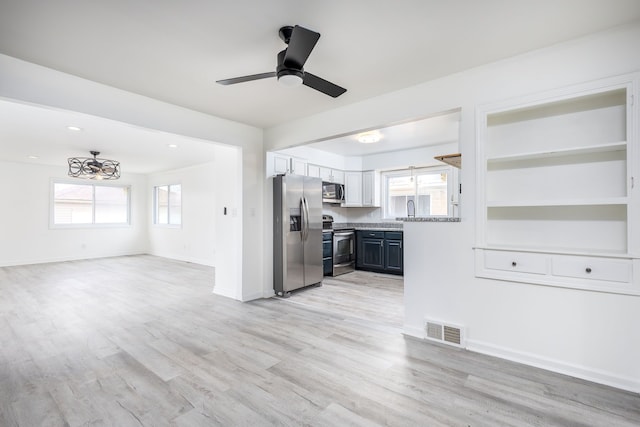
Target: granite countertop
<point x="375" y="226"/>
<point x="430" y="219"/>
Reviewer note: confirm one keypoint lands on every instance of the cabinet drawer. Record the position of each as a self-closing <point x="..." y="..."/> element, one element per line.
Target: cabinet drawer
<point x="516" y="261"/>
<point x="612" y="270"/>
<point x="393" y="235"/>
<point x="372" y="234"/>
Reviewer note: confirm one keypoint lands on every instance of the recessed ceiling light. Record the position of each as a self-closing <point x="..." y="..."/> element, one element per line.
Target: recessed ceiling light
<point x="172" y="146"/>
<point x="74" y="128"/>
<point x="369" y="137"/>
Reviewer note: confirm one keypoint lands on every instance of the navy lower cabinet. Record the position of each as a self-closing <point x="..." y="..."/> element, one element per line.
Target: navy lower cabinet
<point x="393" y="254"/>
<point x="379" y="251"/>
<point x="327" y="253"/>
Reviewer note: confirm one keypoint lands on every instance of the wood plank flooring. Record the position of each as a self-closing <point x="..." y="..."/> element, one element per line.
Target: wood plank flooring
<point x="142" y="341"/>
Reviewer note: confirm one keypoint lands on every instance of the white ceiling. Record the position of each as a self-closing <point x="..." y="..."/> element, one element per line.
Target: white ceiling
<point x="441" y="129"/>
<point x="174" y="51"/>
<point x="28" y="131"/>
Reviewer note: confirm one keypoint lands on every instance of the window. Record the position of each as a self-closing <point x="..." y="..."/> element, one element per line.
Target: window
<point x="168" y="204"/>
<point x="428" y="188"/>
<point x="75" y="204"/>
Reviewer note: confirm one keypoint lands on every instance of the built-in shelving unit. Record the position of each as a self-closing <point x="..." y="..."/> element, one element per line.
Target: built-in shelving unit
<point x="556" y="188"/>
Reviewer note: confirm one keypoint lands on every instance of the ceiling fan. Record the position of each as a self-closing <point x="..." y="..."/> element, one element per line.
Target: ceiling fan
<point x="289" y="71"/>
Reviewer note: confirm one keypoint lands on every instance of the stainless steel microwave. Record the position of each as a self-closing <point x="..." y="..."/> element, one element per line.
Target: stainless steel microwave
<point x="332" y="192"/>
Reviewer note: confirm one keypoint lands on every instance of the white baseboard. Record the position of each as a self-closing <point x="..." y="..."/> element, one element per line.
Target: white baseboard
<point x="413" y="331"/>
<point x="252" y="296"/>
<point x="192" y="260"/>
<point x="583" y="372"/>
<point x="65" y="259"/>
<point x="229" y="292"/>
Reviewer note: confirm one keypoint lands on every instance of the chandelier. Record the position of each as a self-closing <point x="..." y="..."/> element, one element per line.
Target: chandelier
<point x="93" y="168"/>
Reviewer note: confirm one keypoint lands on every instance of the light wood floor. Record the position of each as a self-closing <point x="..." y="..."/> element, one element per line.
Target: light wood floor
<point x="134" y="341"/>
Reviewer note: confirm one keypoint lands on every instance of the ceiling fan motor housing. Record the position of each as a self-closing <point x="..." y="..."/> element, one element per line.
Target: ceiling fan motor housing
<point x="287" y="70"/>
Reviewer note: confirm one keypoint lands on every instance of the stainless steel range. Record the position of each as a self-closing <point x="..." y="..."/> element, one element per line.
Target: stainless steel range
<point x="342" y="251"/>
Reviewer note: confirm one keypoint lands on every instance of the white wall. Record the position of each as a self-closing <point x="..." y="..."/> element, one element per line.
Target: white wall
<point x="26" y="235"/>
<point x="194" y="239"/>
<point x="207" y="235"/>
<point x="585" y="334"/>
<point x="22" y="81"/>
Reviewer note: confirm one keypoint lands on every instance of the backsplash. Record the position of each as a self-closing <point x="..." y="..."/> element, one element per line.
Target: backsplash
<point x="343" y="215"/>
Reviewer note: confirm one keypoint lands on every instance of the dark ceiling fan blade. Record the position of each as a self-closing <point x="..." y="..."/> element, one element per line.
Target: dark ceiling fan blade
<point x="246" y="78"/>
<point x="301" y="44"/>
<point x="322" y="85"/>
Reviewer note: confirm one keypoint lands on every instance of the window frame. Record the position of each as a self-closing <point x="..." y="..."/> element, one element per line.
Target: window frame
<point x="451" y="183"/>
<point x="155" y="206"/>
<point x="92" y="224"/>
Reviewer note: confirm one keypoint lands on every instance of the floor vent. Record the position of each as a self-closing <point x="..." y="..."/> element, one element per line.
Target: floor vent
<point x="443" y="332"/>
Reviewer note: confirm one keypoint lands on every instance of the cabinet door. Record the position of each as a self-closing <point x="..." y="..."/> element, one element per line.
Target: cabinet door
<point x="280" y="164"/>
<point x="393" y="256"/>
<point x="325" y="174"/>
<point x="373" y="253"/>
<point x="353" y="189"/>
<point x="313" y="170"/>
<point x="337" y="176"/>
<point x="298" y="166"/>
<point x="370" y="189"/>
<point x="359" y="250"/>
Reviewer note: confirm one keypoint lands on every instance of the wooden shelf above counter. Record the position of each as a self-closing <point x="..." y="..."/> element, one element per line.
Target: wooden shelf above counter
<point x="451" y="159"/>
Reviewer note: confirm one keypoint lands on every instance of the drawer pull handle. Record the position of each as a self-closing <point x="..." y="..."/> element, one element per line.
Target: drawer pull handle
<point x="588" y="270"/>
<point x="513" y="263"/>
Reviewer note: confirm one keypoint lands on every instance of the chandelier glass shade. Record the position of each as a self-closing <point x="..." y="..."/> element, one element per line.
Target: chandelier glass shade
<point x="93" y="168"/>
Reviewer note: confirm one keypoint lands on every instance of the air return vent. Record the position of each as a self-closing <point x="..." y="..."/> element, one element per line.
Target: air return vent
<point x="444" y="332"/>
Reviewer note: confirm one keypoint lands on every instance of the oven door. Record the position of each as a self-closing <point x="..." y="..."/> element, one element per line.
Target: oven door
<point x="343" y="252"/>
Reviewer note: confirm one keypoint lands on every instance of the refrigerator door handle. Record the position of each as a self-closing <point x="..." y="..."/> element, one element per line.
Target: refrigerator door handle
<point x="305" y="222"/>
<point x="302" y="218"/>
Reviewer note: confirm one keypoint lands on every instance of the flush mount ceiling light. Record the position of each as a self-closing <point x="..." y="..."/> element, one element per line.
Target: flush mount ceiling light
<point x="93" y="168"/>
<point x="74" y="128"/>
<point x="369" y="137"/>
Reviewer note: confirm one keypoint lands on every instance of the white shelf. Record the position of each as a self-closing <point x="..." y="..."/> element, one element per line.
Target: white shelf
<point x="551" y="202"/>
<point x="600" y="148"/>
<point x="554" y="191"/>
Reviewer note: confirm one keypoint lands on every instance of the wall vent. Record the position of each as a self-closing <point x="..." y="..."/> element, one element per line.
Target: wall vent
<point x="444" y="332"/>
<point x="434" y="331"/>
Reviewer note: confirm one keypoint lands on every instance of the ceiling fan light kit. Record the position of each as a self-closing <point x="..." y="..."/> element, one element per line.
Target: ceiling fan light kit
<point x="290" y="63"/>
<point x="290" y="78"/>
<point x="93" y="168"/>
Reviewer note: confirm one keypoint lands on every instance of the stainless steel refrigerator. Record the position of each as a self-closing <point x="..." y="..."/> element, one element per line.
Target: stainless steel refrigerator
<point x="297" y="232"/>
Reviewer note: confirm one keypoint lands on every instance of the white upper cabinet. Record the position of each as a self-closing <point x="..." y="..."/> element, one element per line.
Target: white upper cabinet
<point x="371" y="189"/>
<point x="313" y="170"/>
<point x="556" y="177"/>
<point x="298" y="166"/>
<point x="353" y="188"/>
<point x="362" y="189"/>
<point x="278" y="164"/>
<point x="327" y="174"/>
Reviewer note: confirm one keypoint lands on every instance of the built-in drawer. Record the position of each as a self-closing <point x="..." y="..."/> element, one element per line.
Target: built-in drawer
<point x="521" y="262"/>
<point x="393" y="235"/>
<point x="611" y="270"/>
<point x="372" y="234"/>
